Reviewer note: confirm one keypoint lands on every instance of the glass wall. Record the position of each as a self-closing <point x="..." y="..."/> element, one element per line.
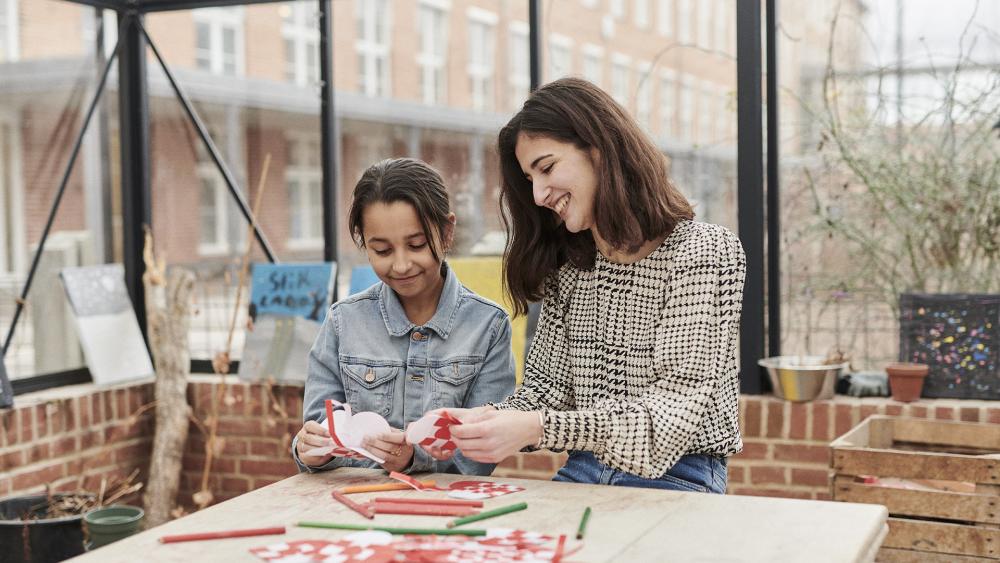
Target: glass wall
<point x="890" y="182"/>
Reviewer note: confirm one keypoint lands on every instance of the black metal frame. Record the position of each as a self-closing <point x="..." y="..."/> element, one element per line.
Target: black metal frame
<point x="750" y="196"/>
<point x="134" y="116"/>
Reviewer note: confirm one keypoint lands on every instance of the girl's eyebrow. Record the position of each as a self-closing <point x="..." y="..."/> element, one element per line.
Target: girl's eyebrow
<point x="407" y="237"/>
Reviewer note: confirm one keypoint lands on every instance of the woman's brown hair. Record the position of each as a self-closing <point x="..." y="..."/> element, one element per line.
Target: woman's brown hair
<point x="635" y="200"/>
<point x="403" y="179"/>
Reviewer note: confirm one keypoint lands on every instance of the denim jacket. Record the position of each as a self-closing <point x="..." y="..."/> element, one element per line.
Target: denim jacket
<point x="370" y="354"/>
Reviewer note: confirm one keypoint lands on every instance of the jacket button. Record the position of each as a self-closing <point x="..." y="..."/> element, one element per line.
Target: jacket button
<point x="418" y="336"/>
<point x="370" y="376"/>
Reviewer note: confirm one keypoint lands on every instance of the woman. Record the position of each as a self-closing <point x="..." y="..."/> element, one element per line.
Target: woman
<point x="633" y="368"/>
<point x="417" y="341"/>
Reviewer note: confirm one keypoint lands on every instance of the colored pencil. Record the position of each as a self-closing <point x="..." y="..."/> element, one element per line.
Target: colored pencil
<point x="488" y="514"/>
<point x="361" y="509"/>
<point x="423" y="509"/>
<point x="223" y="534"/>
<point x="398" y="531"/>
<point x="437" y="501"/>
<point x="583" y="524"/>
<point x="381" y="487"/>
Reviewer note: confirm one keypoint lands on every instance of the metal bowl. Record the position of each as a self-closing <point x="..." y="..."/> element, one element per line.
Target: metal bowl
<point x="802" y="378"/>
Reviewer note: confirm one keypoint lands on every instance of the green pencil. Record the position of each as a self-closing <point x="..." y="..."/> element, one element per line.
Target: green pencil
<point x="583" y="524"/>
<point x="488" y="514"/>
<point x="398" y="531"/>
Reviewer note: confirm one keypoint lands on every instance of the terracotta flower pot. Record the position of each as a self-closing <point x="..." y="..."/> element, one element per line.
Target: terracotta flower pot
<point x="906" y="380"/>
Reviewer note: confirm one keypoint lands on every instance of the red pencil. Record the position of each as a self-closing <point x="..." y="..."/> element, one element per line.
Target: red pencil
<point x="222" y="535"/>
<point x="436" y="501"/>
<point x="423" y="509"/>
<point x="361" y="509"/>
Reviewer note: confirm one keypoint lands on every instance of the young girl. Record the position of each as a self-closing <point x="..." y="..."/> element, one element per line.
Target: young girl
<point x="633" y="366"/>
<point x="414" y="342"/>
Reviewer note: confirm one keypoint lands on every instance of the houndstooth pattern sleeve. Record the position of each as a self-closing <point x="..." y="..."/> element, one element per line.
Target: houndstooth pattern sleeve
<point x="547" y="374"/>
<point x="651" y="356"/>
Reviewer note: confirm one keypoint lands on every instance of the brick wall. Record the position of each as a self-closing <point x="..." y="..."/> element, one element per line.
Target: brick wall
<point x="74" y="436"/>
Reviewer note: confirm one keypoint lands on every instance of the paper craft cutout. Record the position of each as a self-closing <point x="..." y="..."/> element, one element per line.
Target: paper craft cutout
<point x="432" y="430"/>
<point x="348" y="431"/>
<point x="475" y="490"/>
<point x="370" y="547"/>
<point x="499" y="545"/>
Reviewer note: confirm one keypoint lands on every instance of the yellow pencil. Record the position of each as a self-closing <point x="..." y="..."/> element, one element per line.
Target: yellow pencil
<point x="382" y="487"/>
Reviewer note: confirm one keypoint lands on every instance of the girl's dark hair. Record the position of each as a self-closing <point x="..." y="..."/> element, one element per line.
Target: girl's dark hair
<point x="635" y="200"/>
<point x="403" y="179"/>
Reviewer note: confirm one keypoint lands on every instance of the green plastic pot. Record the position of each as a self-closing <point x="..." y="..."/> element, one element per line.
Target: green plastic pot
<point x="111" y="523"/>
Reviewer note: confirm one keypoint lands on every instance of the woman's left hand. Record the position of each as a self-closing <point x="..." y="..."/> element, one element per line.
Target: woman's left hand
<point x="392" y="447"/>
<point x="492" y="435"/>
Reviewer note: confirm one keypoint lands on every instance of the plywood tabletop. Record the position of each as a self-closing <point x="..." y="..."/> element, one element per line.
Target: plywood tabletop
<point x="627" y="524"/>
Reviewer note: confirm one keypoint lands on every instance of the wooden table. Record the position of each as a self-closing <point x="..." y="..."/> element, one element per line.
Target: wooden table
<point x="627" y="524"/>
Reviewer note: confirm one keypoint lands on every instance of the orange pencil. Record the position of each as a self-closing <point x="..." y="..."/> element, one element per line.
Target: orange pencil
<point x="363" y="510"/>
<point x="222" y="535"/>
<point x="434" y="501"/>
<point x="382" y="487"/>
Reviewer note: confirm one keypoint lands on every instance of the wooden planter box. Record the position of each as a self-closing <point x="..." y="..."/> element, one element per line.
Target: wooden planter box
<point x="939" y="480"/>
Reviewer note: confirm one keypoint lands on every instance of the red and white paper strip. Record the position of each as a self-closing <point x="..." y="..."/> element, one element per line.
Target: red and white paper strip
<point x="475" y="490"/>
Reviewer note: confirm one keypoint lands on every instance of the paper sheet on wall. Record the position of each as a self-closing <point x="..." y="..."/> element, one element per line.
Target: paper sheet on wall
<point x="106" y="323"/>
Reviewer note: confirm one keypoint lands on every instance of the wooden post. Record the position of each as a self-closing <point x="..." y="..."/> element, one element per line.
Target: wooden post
<point x="168" y="314"/>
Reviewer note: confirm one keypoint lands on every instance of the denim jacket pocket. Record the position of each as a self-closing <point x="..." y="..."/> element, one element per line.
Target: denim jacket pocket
<point x="452" y="380"/>
<point x="369" y="387"/>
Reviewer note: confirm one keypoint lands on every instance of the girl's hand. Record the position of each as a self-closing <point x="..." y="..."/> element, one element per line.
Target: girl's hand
<point x="466" y="416"/>
<point x="392" y="447"/>
<point x="491" y="436"/>
<point x="313" y="435"/>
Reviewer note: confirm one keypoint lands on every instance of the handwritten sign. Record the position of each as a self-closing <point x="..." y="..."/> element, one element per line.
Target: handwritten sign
<point x="293" y="290"/>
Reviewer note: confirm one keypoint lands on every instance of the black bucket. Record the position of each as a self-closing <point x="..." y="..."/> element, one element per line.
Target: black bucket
<point x="38" y="540"/>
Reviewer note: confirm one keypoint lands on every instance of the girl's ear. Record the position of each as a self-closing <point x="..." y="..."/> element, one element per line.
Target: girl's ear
<point x="449" y="232"/>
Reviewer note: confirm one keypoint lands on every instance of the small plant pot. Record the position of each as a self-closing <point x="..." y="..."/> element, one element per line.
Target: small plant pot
<point x="906" y="380"/>
<point x="111" y="523"/>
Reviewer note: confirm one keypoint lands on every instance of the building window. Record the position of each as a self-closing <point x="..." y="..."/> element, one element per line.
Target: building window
<point x="685" y="109"/>
<point x="684" y="21"/>
<point x="300" y="32"/>
<point x="593" y="63"/>
<point x="665" y="17"/>
<point x="481" y="49"/>
<point x="8" y="31"/>
<point x="219" y="215"/>
<point x="640" y="13"/>
<point x="644" y="95"/>
<point x="433" y="22"/>
<point x="620" y="79"/>
<point x="705" y="24"/>
<point x="723" y="15"/>
<point x="707" y="113"/>
<point x="668" y="104"/>
<point x="519" y="74"/>
<point x="618" y="9"/>
<point x="560" y="56"/>
<point x="12" y="248"/>
<point x="304" y="178"/>
<point x="219" y="40"/>
<point x="723" y="117"/>
<point x="373" y="20"/>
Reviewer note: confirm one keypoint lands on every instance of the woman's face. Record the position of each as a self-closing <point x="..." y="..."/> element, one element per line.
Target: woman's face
<point x="562" y="178"/>
<point x="399" y="252"/>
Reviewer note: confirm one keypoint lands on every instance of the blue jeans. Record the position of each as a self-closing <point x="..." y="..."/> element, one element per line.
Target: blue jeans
<point x="696" y="472"/>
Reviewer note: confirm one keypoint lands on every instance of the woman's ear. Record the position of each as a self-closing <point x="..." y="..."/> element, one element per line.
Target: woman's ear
<point x="449" y="232"/>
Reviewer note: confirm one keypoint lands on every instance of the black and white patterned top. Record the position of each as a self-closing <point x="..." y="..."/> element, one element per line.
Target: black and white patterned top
<point x="637" y="362"/>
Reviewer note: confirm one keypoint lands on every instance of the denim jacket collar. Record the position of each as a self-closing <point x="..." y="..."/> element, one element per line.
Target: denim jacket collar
<point x="396" y="321"/>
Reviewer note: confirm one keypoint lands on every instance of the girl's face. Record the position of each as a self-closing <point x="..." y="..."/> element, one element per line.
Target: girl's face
<point x="562" y="178"/>
<point x="400" y="253"/>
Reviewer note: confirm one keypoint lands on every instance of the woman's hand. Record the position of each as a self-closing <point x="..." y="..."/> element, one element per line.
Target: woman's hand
<point x="464" y="415"/>
<point x="392" y="447"/>
<point x="313" y="435"/>
<point x="490" y="436"/>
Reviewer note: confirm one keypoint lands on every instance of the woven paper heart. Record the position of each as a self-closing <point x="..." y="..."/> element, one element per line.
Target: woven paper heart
<point x="432" y="431"/>
<point x="476" y="490"/>
<point x="342" y="551"/>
